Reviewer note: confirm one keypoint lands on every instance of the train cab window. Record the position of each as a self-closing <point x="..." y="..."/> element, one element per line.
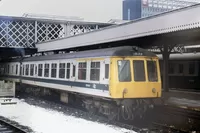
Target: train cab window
<point x="139" y="71"/>
<point x="27" y="70"/>
<point x="106" y="71"/>
<point x="46" y="70"/>
<point x="16" y="72"/>
<point x="152" y="71"/>
<point x="124" y="70"/>
<point x="62" y="70"/>
<point x="40" y="68"/>
<point x="95" y="71"/>
<point x="53" y="70"/>
<point x="82" y="66"/>
<point x="68" y="71"/>
<point x="191" y="68"/>
<point x="180" y="68"/>
<point x="31" y="69"/>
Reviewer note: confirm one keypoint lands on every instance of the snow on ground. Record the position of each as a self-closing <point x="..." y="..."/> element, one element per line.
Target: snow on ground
<point x="42" y="120"/>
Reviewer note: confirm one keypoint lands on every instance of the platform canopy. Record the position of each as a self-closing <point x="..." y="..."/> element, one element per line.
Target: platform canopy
<point x="180" y="26"/>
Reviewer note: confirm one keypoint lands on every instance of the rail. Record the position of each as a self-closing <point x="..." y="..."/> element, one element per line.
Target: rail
<point x="7" y="126"/>
<point x="177" y="118"/>
<point x="165" y="128"/>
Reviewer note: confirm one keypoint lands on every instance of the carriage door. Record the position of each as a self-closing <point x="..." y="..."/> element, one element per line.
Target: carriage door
<point x="73" y="70"/>
<point x="106" y="71"/>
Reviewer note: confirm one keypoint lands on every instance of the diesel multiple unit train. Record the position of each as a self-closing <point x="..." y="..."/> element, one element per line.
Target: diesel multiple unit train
<point x="104" y="80"/>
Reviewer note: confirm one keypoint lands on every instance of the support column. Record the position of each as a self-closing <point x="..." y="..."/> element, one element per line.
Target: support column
<point x="67" y="29"/>
<point x="36" y="38"/>
<point x="165" y="55"/>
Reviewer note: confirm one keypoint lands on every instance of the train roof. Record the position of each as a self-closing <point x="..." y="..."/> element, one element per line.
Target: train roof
<point x="107" y="52"/>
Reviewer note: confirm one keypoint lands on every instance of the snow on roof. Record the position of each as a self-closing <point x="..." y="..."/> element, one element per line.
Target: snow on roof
<point x="117" y="21"/>
<point x="54" y="17"/>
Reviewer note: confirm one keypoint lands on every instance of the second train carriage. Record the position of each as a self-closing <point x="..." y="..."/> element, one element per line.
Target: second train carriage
<point x="123" y="75"/>
<point x="184" y="71"/>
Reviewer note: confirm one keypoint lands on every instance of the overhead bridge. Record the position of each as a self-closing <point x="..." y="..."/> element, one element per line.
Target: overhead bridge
<point x="174" y="27"/>
<point x="19" y="35"/>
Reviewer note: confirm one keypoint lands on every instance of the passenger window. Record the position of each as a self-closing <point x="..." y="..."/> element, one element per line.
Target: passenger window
<point x="82" y="70"/>
<point x="8" y="67"/>
<point x="46" y="70"/>
<point x="62" y="70"/>
<point x="31" y="69"/>
<point x="152" y="71"/>
<point x="124" y="71"/>
<point x="139" y="72"/>
<point x="12" y="69"/>
<point x="95" y="71"/>
<point x="2" y="69"/>
<point x="191" y="68"/>
<point x="16" y="69"/>
<point x="40" y="68"/>
<point x="74" y="70"/>
<point x="23" y="67"/>
<point x="53" y="70"/>
<point x="27" y="69"/>
<point x="35" y="69"/>
<point x="106" y="71"/>
<point x="171" y="68"/>
<point x="180" y="68"/>
<point x="68" y="71"/>
<point x="5" y="70"/>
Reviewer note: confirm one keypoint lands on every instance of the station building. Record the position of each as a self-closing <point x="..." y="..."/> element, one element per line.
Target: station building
<point x="134" y="9"/>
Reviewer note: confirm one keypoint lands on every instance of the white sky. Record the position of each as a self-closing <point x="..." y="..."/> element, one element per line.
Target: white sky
<point x="92" y="10"/>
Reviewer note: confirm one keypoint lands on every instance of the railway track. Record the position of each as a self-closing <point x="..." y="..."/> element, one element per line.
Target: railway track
<point x="186" y="90"/>
<point x="7" y="126"/>
<point x="177" y="119"/>
<point x="164" y="128"/>
<point x="182" y="111"/>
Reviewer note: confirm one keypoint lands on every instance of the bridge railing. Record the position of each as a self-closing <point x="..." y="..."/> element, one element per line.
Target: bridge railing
<point x="26" y="32"/>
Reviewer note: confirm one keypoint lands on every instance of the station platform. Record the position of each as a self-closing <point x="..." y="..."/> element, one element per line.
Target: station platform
<point x="182" y="98"/>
